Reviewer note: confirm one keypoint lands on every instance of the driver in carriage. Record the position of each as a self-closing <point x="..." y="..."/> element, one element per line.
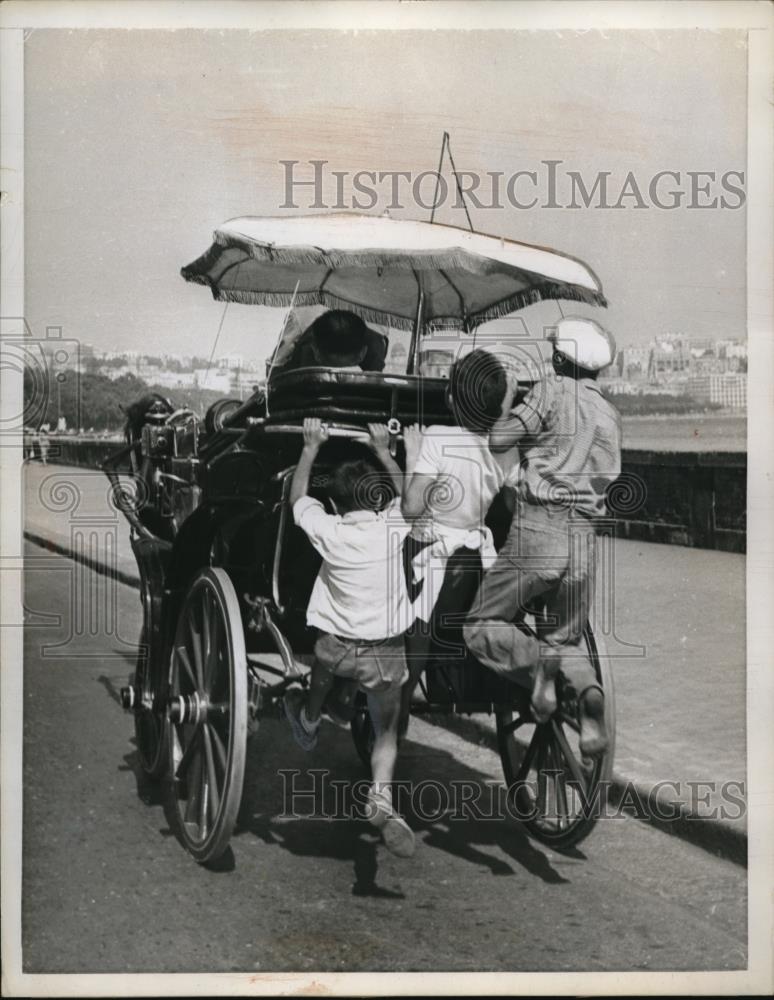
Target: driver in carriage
<point x="338" y="339"/>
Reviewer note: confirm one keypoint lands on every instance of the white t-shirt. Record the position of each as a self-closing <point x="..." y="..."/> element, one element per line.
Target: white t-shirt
<point x="467" y="476"/>
<point x="360" y="591"/>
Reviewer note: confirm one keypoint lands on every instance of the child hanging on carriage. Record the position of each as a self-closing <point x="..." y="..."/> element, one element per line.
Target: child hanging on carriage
<point x="452" y="478"/>
<point x="360" y="606"/>
<point x="569" y="437"/>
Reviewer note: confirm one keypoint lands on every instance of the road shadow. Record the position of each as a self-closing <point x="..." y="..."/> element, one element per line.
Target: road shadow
<point x="329" y="785"/>
<point x="326" y="821"/>
<point x="155" y="793"/>
<point x="149" y="791"/>
<point x="109" y="686"/>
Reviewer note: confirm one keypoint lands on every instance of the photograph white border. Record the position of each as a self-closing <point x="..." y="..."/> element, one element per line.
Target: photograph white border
<point x="758" y="19"/>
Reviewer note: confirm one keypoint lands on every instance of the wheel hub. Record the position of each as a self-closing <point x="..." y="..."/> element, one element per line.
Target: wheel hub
<point x="188" y="708"/>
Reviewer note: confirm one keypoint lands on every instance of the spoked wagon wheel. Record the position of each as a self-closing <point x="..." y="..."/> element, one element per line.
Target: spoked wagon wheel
<point x="149" y="683"/>
<point x="149" y="720"/>
<point x="551" y="789"/>
<point x="208" y="715"/>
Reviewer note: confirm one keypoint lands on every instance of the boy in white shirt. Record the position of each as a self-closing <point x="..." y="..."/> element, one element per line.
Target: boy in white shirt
<point x="360" y="605"/>
<point x="452" y="478"/>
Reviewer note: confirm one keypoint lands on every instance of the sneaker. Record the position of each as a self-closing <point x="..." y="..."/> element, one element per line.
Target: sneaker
<point x="397" y="835"/>
<point x="293" y="704"/>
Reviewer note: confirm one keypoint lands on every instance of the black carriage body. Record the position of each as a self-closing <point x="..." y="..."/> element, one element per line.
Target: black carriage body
<point x="223" y="503"/>
<point x="212" y="528"/>
<point x="243" y="522"/>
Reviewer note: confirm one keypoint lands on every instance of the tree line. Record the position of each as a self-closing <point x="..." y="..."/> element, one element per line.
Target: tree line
<point x="91" y="401"/>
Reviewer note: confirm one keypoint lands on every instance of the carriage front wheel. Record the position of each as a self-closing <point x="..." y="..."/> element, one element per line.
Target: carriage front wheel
<point x="149" y="684"/>
<point x="555" y="793"/>
<point x="208" y="715"/>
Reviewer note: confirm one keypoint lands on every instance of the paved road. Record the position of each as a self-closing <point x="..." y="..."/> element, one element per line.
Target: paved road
<point x="107" y="888"/>
<point x="678" y="636"/>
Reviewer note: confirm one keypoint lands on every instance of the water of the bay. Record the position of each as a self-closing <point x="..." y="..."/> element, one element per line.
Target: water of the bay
<point x="686" y="432"/>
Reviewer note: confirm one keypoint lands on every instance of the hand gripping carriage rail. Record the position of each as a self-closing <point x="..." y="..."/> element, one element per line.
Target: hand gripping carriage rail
<point x="226" y="576"/>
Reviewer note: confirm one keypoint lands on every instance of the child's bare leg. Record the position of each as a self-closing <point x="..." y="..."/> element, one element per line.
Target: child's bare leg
<point x="320" y="683"/>
<point x="580" y="679"/>
<point x="544" y="684"/>
<point x="591" y="718"/>
<point x="384" y="707"/>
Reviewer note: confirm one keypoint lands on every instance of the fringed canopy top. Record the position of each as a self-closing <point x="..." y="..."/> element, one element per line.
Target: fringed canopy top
<point x="377" y="267"/>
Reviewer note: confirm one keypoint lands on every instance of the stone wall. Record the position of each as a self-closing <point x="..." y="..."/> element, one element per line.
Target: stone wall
<point x="683" y="498"/>
<point x="680" y="498"/>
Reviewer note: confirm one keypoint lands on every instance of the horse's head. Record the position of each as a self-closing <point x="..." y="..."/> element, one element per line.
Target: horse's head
<point x="152" y="404"/>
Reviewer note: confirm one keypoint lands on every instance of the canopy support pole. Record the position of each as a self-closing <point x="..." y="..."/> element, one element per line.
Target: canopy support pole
<point x="446" y="148"/>
<point x="270" y="366"/>
<point x="417" y="331"/>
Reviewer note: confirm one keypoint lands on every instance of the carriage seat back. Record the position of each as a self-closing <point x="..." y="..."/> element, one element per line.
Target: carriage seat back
<point x="359" y="397"/>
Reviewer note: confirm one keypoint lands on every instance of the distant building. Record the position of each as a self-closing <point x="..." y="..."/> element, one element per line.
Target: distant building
<point x="148" y="373"/>
<point x="667" y="359"/>
<point x="210" y="378"/>
<point x="243" y="383"/>
<point x="728" y="390"/>
<point x="619" y="386"/>
<point x="732" y="349"/>
<point x="634" y="363"/>
<point x="174" y="380"/>
<point x="117" y="371"/>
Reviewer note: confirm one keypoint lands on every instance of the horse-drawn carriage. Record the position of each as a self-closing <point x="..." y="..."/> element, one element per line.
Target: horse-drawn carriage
<point x="226" y="575"/>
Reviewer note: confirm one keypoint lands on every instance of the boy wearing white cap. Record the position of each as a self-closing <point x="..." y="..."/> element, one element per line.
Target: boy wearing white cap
<point x="569" y="437"/>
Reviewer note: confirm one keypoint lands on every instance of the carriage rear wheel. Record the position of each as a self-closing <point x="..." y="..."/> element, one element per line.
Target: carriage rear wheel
<point x="551" y="789"/>
<point x="208" y="715"/>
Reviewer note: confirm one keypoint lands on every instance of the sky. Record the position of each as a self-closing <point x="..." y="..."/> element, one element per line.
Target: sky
<point x="139" y="143"/>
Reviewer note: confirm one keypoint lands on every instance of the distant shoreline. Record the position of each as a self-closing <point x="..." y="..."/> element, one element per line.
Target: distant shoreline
<point x="720" y="430"/>
<point x="692" y="415"/>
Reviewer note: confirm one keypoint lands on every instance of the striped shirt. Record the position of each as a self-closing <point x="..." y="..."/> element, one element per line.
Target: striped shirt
<point x="569" y="439"/>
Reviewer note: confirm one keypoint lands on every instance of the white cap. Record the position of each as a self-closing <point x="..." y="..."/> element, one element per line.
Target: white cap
<point x="583" y="342"/>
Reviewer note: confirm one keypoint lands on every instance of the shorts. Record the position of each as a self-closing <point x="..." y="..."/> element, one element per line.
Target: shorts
<point x="375" y="665"/>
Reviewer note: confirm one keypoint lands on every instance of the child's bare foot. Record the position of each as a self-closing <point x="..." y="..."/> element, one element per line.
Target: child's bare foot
<point x="544" y="687"/>
<point x="591" y="716"/>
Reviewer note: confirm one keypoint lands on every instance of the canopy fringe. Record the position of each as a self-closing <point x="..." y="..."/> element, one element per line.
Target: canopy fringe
<point x="371" y="315"/>
<point x="204" y="271"/>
